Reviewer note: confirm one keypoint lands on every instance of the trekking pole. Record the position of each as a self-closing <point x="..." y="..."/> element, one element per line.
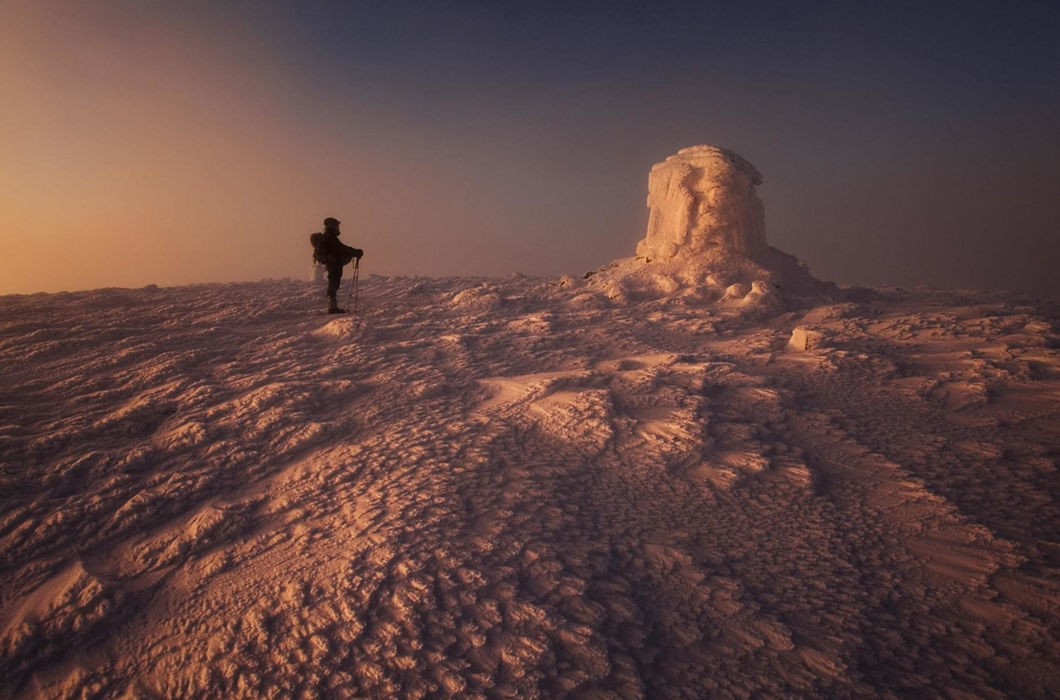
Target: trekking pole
<point x="353" y="287"/>
<point x="356" y="284"/>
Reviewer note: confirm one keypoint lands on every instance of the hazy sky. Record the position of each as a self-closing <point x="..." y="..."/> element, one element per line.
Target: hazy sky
<point x="170" y="142"/>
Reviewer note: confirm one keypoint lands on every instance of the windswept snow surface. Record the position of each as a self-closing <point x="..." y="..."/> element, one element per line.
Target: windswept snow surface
<point x="524" y="488"/>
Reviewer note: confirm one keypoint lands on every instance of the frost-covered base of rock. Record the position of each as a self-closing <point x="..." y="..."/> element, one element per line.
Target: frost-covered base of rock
<point x="525" y="488"/>
<point x="732" y="283"/>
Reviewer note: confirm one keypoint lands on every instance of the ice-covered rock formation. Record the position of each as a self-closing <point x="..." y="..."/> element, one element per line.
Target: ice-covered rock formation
<point x="700" y="198"/>
<point x="706" y="238"/>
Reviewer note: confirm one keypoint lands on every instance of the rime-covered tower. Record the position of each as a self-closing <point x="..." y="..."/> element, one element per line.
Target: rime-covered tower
<point x="703" y="200"/>
<point x="706" y="240"/>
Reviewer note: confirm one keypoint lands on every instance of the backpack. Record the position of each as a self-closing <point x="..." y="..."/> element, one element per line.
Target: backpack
<point x="319" y="253"/>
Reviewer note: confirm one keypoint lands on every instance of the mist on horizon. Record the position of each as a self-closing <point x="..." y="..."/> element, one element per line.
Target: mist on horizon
<point x="144" y="143"/>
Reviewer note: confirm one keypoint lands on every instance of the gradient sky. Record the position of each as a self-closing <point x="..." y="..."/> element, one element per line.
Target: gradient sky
<point x="174" y="142"/>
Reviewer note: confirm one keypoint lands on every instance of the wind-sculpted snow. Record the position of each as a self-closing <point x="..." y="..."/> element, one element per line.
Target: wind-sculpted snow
<point x="527" y="488"/>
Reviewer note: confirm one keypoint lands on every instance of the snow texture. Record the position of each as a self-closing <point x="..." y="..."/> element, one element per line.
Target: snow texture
<point x="524" y="488"/>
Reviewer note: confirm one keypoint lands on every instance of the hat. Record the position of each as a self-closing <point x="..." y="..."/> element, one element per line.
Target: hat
<point x="331" y="221"/>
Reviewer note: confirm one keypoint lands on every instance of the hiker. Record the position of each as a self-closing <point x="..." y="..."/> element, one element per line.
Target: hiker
<point x="333" y="254"/>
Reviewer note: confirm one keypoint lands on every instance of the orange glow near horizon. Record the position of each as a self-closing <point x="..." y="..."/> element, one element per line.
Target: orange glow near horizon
<point x="162" y="156"/>
<point x="130" y="160"/>
<point x="173" y="143"/>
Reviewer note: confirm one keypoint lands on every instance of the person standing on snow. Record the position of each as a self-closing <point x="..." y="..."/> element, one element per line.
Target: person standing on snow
<point x="333" y="254"/>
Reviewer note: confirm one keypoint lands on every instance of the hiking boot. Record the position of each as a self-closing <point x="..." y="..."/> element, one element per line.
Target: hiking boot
<point x="333" y="305"/>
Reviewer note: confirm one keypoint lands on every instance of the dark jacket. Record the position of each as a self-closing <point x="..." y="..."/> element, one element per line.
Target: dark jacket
<point x="333" y="252"/>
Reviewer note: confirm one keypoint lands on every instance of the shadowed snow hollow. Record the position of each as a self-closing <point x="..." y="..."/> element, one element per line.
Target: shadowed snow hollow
<point x="706" y="238"/>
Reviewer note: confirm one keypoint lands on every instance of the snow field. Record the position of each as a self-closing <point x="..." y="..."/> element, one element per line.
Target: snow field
<point x="527" y="488"/>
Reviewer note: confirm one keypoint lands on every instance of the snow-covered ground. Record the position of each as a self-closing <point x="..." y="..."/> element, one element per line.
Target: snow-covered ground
<point x="527" y="488"/>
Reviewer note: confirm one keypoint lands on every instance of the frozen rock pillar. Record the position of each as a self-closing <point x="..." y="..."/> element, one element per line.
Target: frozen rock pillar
<point x="703" y="200"/>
